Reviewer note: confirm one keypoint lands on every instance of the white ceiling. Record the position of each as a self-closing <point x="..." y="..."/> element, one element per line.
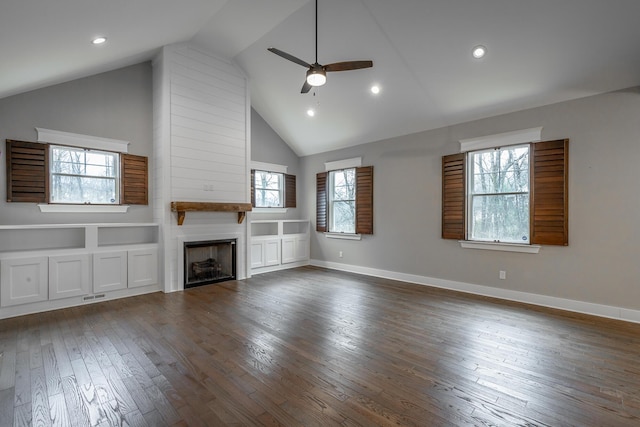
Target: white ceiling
<point x="539" y="52"/>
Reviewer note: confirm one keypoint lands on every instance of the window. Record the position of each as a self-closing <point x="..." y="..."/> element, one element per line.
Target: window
<point x="499" y="195"/>
<point x="268" y="189"/>
<point x="516" y="194"/>
<point x="82" y="176"/>
<point x="43" y="173"/>
<point x="344" y="201"/>
<point x="272" y="189"/>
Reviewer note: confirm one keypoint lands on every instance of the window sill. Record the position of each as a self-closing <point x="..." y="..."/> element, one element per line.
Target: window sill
<point x="83" y="208"/>
<point x="269" y="210"/>
<point x="505" y="247"/>
<point x="344" y="236"/>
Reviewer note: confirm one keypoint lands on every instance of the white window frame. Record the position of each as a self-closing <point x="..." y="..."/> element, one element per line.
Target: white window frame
<point x="280" y="189"/>
<point x="332" y="201"/>
<point x="116" y="178"/>
<point x="354" y="162"/>
<point x="77" y="140"/>
<point x="517" y="137"/>
<point x="471" y="194"/>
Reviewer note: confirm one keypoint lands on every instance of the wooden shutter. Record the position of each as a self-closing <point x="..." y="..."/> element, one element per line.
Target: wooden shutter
<point x="321" y="202"/>
<point x="253" y="188"/>
<point x="364" y="200"/>
<point x="289" y="191"/>
<point x="550" y="193"/>
<point x="453" y="196"/>
<point x="27" y="172"/>
<point x="135" y="188"/>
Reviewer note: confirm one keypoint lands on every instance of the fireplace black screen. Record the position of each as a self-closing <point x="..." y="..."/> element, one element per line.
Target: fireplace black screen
<point x="209" y="262"/>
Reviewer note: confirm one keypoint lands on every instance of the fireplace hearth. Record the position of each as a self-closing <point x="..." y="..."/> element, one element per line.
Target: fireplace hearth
<point x="209" y="261"/>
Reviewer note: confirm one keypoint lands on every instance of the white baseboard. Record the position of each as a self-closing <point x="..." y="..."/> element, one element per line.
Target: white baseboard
<point x="600" y="310"/>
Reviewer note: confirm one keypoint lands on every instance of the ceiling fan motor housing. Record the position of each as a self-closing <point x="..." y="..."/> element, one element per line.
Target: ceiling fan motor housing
<point x="316" y="75"/>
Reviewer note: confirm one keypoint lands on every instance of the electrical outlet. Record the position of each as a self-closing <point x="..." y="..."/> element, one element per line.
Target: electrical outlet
<point x="503" y="275"/>
<point x="340" y="254"/>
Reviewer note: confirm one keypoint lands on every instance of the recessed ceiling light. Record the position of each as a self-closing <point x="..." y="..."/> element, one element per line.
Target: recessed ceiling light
<point x="479" y="51"/>
<point x="311" y="112"/>
<point x="99" y="40"/>
<point x="375" y="89"/>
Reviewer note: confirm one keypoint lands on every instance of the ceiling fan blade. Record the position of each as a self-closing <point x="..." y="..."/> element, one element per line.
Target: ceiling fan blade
<point x="291" y="58"/>
<point x="349" y="65"/>
<point x="306" y="87"/>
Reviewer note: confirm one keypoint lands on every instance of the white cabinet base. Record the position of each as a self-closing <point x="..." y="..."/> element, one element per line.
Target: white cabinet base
<point x="142" y="267"/>
<point x="109" y="271"/>
<point x="69" y="276"/>
<point x="24" y="280"/>
<point x="279" y="244"/>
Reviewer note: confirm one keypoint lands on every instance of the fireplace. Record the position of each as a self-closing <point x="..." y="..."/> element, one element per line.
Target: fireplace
<point x="209" y="261"/>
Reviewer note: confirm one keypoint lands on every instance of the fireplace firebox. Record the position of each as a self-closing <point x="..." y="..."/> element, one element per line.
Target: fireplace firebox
<point x="208" y="262"/>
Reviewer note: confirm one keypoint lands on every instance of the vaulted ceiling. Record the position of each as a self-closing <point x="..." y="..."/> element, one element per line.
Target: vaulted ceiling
<point x="538" y="52"/>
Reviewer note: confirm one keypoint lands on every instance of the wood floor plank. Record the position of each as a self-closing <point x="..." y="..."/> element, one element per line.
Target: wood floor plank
<point x="78" y="411"/>
<point x="6" y="407"/>
<point x="22" y="379"/>
<point x="22" y="416"/>
<point x="39" y="398"/>
<point x="58" y="411"/>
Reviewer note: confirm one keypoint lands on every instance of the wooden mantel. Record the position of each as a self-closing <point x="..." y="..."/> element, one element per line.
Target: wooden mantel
<point x="183" y="207"/>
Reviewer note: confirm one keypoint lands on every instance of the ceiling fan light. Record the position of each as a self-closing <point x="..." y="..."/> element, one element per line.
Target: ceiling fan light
<point x="316" y="77"/>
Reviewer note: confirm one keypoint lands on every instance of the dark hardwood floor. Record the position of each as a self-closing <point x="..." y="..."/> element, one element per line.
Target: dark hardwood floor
<point x="316" y="347"/>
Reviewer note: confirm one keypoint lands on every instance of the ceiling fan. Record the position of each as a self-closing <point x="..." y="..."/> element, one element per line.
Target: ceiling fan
<point x="317" y="73"/>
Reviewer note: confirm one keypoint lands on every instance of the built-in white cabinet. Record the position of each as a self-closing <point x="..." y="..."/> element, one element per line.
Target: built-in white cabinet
<point x="69" y="276"/>
<point x="24" y="280"/>
<point x="265" y="252"/>
<point x="43" y="267"/>
<point x="295" y="249"/>
<point x="143" y="267"/>
<point x="109" y="271"/>
<point x="278" y="244"/>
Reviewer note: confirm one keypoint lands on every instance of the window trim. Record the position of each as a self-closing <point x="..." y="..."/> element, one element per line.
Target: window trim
<point x="289" y="190"/>
<point x="332" y="200"/>
<point x="34" y="157"/>
<point x="549" y="216"/>
<point x="364" y="204"/>
<point x="469" y="195"/>
<point x="117" y="179"/>
<point x="280" y="190"/>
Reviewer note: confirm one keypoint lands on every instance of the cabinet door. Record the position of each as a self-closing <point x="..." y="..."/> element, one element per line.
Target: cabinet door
<point x="142" y="267"/>
<point x="302" y="248"/>
<point x="109" y="271"/>
<point x="257" y="254"/>
<point x="272" y="252"/>
<point x="23" y="281"/>
<point x="69" y="276"/>
<point x="288" y="249"/>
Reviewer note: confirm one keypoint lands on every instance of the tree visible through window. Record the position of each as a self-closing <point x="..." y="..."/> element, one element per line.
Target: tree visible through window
<point x="84" y="176"/>
<point x="499" y="194"/>
<point x="268" y="187"/>
<point x="342" y="201"/>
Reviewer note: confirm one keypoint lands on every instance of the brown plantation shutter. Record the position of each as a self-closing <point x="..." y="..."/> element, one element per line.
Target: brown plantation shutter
<point x="253" y="188"/>
<point x="453" y="196"/>
<point x="550" y="193"/>
<point x="289" y="191"/>
<point x="321" y="202"/>
<point x="364" y="200"/>
<point x="135" y="189"/>
<point x="27" y="172"/>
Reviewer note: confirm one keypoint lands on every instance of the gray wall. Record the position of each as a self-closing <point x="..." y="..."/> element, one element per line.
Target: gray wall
<point x="601" y="263"/>
<point x="115" y="104"/>
<point x="268" y="147"/>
